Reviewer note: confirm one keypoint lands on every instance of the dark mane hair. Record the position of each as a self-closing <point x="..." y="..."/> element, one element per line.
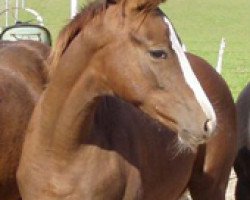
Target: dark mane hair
<point x="72" y="29"/>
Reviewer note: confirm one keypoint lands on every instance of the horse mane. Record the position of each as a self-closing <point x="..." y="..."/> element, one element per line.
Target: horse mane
<point x="77" y="24"/>
<point x="72" y="29"/>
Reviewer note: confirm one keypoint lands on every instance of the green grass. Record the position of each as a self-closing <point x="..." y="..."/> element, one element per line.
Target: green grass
<point x="201" y="25"/>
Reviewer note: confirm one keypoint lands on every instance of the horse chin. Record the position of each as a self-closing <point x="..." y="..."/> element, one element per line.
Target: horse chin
<point x="190" y="140"/>
<point x="187" y="140"/>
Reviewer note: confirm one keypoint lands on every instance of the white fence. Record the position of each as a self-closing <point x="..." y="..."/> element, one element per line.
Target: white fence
<point x="7" y="7"/>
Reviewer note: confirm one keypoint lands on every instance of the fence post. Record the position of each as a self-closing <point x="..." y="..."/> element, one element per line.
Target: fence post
<point x="17" y="11"/>
<point x="23" y="3"/>
<point x="220" y="56"/>
<point x="73" y="8"/>
<point x="6" y="13"/>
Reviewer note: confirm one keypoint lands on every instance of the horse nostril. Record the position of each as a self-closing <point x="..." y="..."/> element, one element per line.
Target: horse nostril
<point x="208" y="126"/>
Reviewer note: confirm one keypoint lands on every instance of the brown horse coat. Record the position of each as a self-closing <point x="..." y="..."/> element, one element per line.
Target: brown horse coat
<point x="22" y="79"/>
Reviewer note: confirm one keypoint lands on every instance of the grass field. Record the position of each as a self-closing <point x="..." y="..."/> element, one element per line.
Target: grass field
<point x="201" y="25"/>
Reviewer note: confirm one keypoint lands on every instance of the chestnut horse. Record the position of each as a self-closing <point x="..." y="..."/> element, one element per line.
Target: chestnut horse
<point x="242" y="162"/>
<point x="22" y="79"/>
<point x="124" y="113"/>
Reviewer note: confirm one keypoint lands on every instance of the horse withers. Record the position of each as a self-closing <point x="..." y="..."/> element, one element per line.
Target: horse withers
<point x="127" y="49"/>
<point x="22" y="79"/>
<point x="242" y="162"/>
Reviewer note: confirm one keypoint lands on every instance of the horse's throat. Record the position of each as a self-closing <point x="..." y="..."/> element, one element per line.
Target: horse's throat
<point x="66" y="114"/>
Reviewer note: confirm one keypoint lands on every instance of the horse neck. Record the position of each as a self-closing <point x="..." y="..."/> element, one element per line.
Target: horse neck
<point x="66" y="115"/>
<point x="65" y="111"/>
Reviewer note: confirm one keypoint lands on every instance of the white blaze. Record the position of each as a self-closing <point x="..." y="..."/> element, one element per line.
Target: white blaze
<point x="189" y="75"/>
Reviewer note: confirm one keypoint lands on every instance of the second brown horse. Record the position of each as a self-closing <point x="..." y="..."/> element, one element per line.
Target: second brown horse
<point x="22" y="79"/>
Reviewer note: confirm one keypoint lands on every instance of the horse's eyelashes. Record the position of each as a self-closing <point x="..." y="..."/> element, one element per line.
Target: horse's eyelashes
<point x="158" y="54"/>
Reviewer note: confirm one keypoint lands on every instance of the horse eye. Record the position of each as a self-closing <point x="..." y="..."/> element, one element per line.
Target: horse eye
<point x="158" y="54"/>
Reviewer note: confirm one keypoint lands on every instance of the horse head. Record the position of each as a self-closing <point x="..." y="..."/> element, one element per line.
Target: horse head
<point x="131" y="48"/>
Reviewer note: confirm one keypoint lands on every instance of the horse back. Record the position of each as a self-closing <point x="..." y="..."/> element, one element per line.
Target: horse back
<point x="26" y="59"/>
<point x="22" y="79"/>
